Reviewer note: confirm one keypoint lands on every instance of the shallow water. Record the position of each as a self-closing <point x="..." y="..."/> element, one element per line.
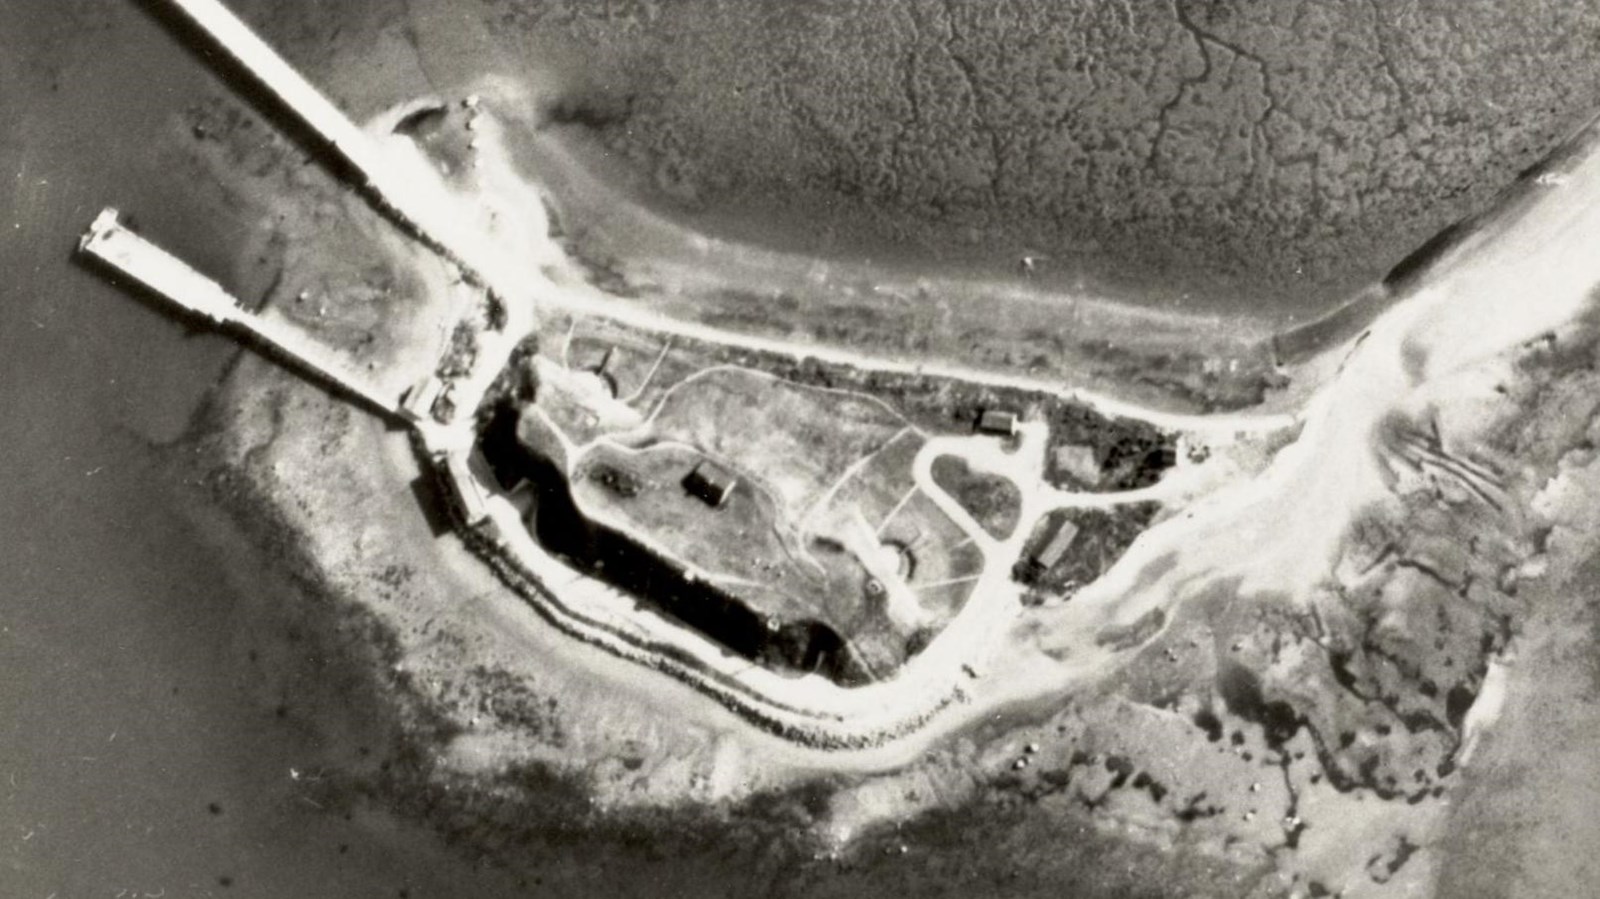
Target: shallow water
<point x="139" y="753"/>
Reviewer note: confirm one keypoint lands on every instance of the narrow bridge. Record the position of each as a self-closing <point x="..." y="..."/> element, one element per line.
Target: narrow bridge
<point x="110" y="242"/>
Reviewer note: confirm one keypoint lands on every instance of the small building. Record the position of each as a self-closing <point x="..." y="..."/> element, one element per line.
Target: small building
<point x="1055" y="549"/>
<point x="997" y="421"/>
<point x="711" y="483"/>
<point x="417" y="405"/>
<point x="1161" y="458"/>
<point x="465" y="491"/>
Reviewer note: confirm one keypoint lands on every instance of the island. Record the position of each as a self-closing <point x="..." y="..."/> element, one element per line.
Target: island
<point x="712" y="539"/>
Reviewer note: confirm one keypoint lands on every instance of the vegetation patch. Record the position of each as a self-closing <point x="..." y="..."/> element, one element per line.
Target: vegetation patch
<point x="1088" y="453"/>
<point x="993" y="501"/>
<point x="1071" y="548"/>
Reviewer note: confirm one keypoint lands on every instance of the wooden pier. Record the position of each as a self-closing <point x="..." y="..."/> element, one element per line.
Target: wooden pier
<point x="417" y="202"/>
<point x="165" y="274"/>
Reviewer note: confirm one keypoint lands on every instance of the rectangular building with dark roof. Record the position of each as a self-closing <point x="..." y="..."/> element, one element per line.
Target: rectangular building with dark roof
<point x="711" y="483"/>
<point x="1055" y="549"/>
<point x="997" y="421"/>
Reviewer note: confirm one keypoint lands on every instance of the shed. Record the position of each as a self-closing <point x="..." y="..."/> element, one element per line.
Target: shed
<point x="711" y="483"/>
<point x="997" y="421"/>
<point x="465" y="490"/>
<point x="1055" y="549"/>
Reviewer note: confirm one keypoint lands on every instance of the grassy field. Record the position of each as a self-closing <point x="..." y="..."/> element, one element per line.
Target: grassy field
<point x="824" y="482"/>
<point x="801" y="439"/>
<point x="741" y="540"/>
<point x="994" y="501"/>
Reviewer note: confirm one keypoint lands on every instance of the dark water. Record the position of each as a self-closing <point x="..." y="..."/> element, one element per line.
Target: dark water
<point x="139" y="755"/>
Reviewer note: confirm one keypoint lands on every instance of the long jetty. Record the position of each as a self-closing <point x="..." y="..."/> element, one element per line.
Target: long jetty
<point x="170" y="277"/>
<point x="419" y="204"/>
